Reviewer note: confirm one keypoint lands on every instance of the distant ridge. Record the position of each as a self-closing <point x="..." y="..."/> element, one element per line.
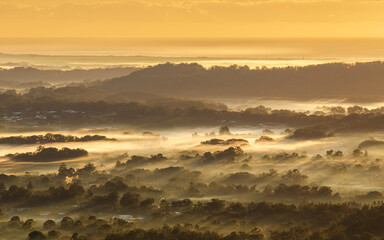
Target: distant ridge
<point x="30" y="74"/>
<point x="315" y="81"/>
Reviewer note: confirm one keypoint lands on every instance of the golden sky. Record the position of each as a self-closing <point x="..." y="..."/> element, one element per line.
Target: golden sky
<point x="191" y="18"/>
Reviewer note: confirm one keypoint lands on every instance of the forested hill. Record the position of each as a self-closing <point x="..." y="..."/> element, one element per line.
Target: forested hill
<point x="315" y="81"/>
<point x="29" y="74"/>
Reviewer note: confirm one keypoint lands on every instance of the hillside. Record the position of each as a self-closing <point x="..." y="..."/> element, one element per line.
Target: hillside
<point x="29" y="74"/>
<point x="336" y="80"/>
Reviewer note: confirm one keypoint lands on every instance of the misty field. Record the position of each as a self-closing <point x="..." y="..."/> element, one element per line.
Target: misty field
<point x="180" y="151"/>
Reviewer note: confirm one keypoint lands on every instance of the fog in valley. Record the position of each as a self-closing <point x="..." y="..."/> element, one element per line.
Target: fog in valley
<point x="191" y="120"/>
<point x="183" y="151"/>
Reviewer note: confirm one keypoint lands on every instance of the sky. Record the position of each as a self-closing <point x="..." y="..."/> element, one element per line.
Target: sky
<point x="191" y="18"/>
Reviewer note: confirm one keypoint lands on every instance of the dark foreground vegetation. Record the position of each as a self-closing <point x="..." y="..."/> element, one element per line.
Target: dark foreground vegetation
<point x="204" y="219"/>
<point x="148" y="197"/>
<point x="347" y="225"/>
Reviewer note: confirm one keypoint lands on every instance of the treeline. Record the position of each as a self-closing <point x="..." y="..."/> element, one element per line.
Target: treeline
<point x="289" y="206"/>
<point x="141" y="115"/>
<point x="89" y="228"/>
<point x="82" y="93"/>
<point x="49" y="154"/>
<point x="232" y="141"/>
<point x="360" y="81"/>
<point x="313" y="132"/>
<point x="29" y="74"/>
<point x="113" y="198"/>
<point x="51" y="138"/>
<point x="322" y="222"/>
<point x="95" y="189"/>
